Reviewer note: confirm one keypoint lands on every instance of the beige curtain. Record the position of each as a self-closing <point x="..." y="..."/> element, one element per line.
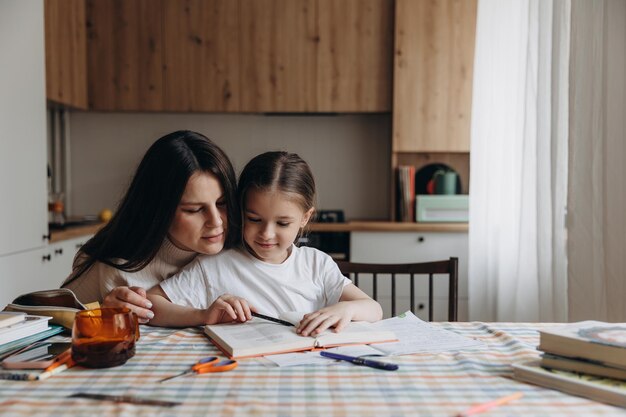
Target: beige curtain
<point x="597" y="149"/>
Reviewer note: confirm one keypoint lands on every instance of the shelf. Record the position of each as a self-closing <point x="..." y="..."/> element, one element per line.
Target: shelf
<point x="386" y="226"/>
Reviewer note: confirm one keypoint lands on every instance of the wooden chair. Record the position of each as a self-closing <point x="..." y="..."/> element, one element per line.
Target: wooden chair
<point x="449" y="267"/>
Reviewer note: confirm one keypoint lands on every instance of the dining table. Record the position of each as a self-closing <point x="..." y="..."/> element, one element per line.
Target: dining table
<point x="441" y="383"/>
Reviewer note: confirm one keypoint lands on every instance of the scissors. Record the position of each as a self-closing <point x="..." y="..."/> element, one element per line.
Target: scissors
<point x="205" y="365"/>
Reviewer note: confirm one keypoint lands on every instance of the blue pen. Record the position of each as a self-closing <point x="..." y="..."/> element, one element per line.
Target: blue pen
<point x="361" y="361"/>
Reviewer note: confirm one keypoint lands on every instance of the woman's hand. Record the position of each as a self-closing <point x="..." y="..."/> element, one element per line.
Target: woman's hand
<point x="228" y="308"/>
<point x="337" y="315"/>
<point x="133" y="298"/>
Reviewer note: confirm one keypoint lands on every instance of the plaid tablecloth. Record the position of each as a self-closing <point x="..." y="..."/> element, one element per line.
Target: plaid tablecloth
<point x="441" y="384"/>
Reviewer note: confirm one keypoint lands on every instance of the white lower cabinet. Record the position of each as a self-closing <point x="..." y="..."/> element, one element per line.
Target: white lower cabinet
<point x="39" y="269"/>
<point x="61" y="259"/>
<point x="408" y="247"/>
<point x="21" y="273"/>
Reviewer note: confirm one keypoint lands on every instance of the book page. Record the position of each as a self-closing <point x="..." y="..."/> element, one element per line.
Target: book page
<point x="257" y="336"/>
<point x="355" y="332"/>
<point x="416" y="336"/>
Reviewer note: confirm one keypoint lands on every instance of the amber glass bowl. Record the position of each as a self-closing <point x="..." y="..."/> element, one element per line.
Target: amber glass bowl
<point x="104" y="337"/>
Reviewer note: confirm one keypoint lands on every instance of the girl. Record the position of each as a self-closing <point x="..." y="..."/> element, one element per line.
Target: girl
<point x="268" y="274"/>
<point x="181" y="202"/>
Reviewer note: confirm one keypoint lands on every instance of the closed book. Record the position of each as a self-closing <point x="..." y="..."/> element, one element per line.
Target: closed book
<point x="8" y="348"/>
<point x="592" y="340"/>
<point x="31" y="325"/>
<point x="583" y="366"/>
<point x="7" y="318"/>
<point x="259" y="337"/>
<point x="606" y="390"/>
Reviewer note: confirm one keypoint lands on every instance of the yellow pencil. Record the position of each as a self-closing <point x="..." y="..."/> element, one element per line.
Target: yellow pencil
<point x="488" y="405"/>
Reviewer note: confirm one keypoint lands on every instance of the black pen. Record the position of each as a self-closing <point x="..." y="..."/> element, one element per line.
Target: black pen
<point x="275" y="320"/>
<point x="361" y="361"/>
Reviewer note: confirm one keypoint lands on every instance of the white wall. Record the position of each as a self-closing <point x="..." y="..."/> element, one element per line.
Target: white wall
<point x="349" y="154"/>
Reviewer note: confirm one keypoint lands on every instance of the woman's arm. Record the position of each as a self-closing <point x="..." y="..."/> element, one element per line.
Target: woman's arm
<point x="226" y="308"/>
<point x="354" y="304"/>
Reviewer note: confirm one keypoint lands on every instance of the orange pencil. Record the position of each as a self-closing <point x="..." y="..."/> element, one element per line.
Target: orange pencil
<point x="491" y="404"/>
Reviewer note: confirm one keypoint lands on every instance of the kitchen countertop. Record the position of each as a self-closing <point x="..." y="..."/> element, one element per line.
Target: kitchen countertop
<point x="351" y="226"/>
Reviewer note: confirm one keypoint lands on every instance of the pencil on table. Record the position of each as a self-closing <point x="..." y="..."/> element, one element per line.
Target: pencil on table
<point x="491" y="404"/>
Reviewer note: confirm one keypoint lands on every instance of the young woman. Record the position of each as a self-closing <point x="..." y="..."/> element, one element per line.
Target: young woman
<point x="269" y="274"/>
<point x="181" y="203"/>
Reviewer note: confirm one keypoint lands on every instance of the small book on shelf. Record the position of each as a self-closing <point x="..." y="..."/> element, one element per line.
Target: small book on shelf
<point x="590" y="340"/>
<point x="606" y="390"/>
<point x="259" y="337"/>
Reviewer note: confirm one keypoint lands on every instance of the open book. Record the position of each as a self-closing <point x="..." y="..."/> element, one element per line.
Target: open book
<point x="258" y="337"/>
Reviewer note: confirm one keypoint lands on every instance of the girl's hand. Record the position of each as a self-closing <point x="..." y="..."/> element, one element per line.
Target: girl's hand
<point x="338" y="315"/>
<point x="228" y="308"/>
<point x="133" y="298"/>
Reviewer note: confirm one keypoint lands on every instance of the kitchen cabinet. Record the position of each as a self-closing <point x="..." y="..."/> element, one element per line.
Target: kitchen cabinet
<point x="230" y="56"/>
<point x="409" y="247"/>
<point x="21" y="273"/>
<point x="61" y="257"/>
<point x="66" y="52"/>
<point x="355" y="55"/>
<point x="432" y="93"/>
<point x="24" y="219"/>
<point x="433" y="69"/>
<point x="39" y="269"/>
<point x="201" y="55"/>
<point x="316" y="55"/>
<point x="125" y="55"/>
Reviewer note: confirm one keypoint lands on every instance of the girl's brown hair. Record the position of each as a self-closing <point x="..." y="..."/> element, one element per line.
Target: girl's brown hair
<point x="281" y="171"/>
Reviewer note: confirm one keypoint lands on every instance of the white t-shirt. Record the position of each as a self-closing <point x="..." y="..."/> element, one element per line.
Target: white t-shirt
<point x="305" y="282"/>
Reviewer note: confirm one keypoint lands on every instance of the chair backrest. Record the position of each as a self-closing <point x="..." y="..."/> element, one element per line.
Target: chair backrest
<point x="389" y="271"/>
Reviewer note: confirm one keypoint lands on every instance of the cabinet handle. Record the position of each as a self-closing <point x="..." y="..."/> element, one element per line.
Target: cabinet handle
<point x="46" y="258"/>
<point x="58" y="251"/>
<point x="79" y="245"/>
<point x="46" y="237"/>
<point x="420" y="306"/>
<point x="420" y="239"/>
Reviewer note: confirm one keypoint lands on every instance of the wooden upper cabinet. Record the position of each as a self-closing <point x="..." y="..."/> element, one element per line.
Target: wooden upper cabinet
<point x="433" y="75"/>
<point x="278" y="50"/>
<point x="201" y="62"/>
<point x="355" y="55"/>
<point x="66" y="52"/>
<point x="125" y="55"/>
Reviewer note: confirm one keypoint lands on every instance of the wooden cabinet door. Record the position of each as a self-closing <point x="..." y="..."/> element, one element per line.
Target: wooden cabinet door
<point x="66" y="52"/>
<point x="125" y="55"/>
<point x="355" y="55"/>
<point x="201" y="55"/>
<point x="433" y="75"/>
<point x="278" y="50"/>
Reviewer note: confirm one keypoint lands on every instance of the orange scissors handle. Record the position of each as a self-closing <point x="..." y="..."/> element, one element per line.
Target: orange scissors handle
<point x="204" y="362"/>
<point x="223" y="366"/>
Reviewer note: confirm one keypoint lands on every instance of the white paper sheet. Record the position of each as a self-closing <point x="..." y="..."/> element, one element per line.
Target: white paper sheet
<point x="416" y="336"/>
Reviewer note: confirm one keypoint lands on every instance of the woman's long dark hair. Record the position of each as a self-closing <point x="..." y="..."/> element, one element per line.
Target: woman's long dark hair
<point x="134" y="235"/>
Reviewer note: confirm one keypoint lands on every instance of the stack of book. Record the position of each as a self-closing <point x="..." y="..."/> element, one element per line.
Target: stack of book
<point x="406" y="193"/>
<point x="19" y="329"/>
<point x="587" y="359"/>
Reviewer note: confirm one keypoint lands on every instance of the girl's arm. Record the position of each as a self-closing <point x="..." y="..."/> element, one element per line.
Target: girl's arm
<point x="226" y="308"/>
<point x="354" y="304"/>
